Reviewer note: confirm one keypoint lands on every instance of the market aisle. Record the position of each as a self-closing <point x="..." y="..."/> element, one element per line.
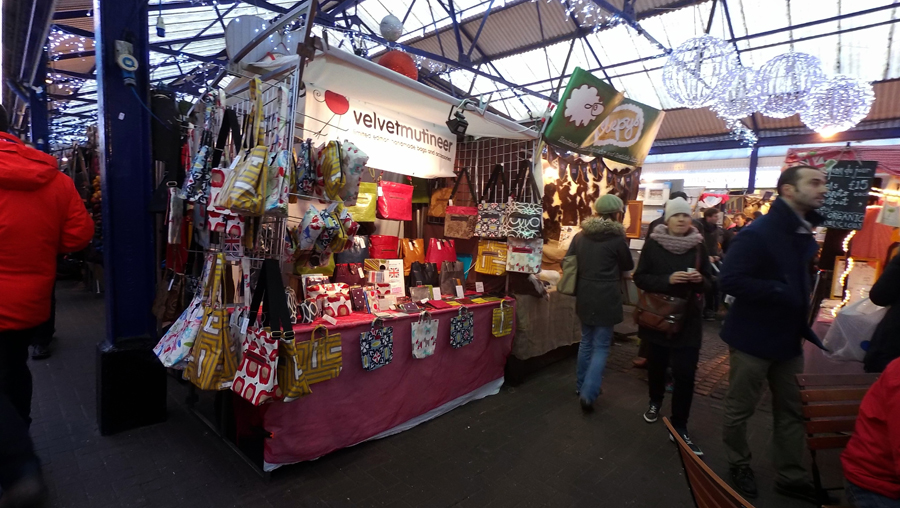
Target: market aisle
<point x="527" y="446"/>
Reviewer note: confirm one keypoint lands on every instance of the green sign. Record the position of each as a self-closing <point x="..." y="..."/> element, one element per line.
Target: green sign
<point x="626" y="134"/>
<point x="584" y="105"/>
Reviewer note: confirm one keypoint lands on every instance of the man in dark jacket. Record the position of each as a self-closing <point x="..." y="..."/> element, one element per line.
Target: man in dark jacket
<point x="712" y="237"/>
<point x="885" y="345"/>
<point x="768" y="271"/>
<point x="738" y="223"/>
<point x="41" y="215"/>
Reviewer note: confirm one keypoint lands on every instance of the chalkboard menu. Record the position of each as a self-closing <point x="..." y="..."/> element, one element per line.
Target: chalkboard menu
<point x="848" y="193"/>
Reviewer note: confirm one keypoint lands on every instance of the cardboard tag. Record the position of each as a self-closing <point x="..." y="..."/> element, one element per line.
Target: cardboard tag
<point x="361" y="274"/>
<point x="460" y="292"/>
<point x="380" y="191"/>
<point x="328" y="319"/>
<point x="479" y="287"/>
<point x="244" y="324"/>
<point x="436" y="292"/>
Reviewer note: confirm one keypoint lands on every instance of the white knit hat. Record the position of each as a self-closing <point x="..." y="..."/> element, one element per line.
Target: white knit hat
<point x="676" y="206"/>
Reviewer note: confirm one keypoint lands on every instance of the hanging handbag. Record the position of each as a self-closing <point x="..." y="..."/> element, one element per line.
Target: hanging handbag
<point x="412" y="251"/>
<point x="279" y="161"/>
<point x="306" y="169"/>
<point x="452" y="274"/>
<point x="350" y="273"/>
<point x="491" y="257"/>
<point x="503" y="317"/>
<point x="366" y="203"/>
<point x="423" y="274"/>
<point x="662" y="312"/>
<point x="394" y="201"/>
<point x="175" y="345"/>
<point x="257" y="379"/>
<point x="462" y="328"/>
<point x="460" y="221"/>
<point x="439" y="200"/>
<point x="424" y="336"/>
<point x="524" y="216"/>
<point x="384" y="247"/>
<point x="890" y="213"/>
<point x="524" y="256"/>
<point x="356" y="252"/>
<point x="245" y="190"/>
<point x="213" y="361"/>
<point x="167" y="304"/>
<point x="377" y="346"/>
<point x="320" y="357"/>
<point x="219" y="217"/>
<point x="354" y="160"/>
<point x="421" y="195"/>
<point x="491" y="211"/>
<point x="440" y="250"/>
<point x="568" y="281"/>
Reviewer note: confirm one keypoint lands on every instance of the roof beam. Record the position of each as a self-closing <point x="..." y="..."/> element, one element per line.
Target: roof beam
<point x="72" y="56"/>
<point x="216" y="59"/>
<point x="73" y="31"/>
<point x="782" y="140"/>
<point x="631" y="21"/>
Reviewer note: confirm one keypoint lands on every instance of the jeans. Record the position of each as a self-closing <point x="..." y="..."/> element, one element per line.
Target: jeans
<point x="43" y="333"/>
<point x="683" y="361"/>
<point x="745" y="380"/>
<point x="592" y="353"/>
<point x="17" y="458"/>
<point x="859" y="497"/>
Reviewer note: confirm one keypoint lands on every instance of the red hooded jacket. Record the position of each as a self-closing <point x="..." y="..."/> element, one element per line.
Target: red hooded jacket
<point x="41" y="215"/>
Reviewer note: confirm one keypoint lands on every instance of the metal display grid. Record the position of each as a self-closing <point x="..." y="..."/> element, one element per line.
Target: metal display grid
<point x="481" y="155"/>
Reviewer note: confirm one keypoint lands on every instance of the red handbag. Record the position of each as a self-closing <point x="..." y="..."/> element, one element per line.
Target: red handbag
<point x="394" y="201"/>
<point x="440" y="250"/>
<point x="384" y="247"/>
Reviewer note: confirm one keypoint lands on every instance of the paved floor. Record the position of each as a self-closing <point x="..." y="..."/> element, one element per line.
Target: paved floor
<point x="528" y="446"/>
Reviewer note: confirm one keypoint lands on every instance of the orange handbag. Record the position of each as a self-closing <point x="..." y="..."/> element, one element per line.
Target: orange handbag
<point x="412" y="251"/>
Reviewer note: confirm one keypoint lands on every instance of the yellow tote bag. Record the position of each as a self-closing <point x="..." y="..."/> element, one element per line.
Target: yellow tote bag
<point x="502" y="322"/>
<point x="246" y="190"/>
<point x="491" y="257"/>
<point x="364" y="211"/>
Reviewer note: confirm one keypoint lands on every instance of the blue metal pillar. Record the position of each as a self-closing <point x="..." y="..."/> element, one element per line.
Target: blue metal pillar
<point x="754" y="162"/>
<point x="40" y="124"/>
<point x="131" y="381"/>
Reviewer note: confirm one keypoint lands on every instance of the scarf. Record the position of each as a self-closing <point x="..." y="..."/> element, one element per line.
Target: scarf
<point x="676" y="244"/>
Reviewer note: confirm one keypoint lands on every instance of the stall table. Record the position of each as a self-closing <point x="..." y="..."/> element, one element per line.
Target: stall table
<point x="358" y="405"/>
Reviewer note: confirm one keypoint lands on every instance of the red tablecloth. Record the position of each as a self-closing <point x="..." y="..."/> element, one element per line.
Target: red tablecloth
<point x="359" y="405"/>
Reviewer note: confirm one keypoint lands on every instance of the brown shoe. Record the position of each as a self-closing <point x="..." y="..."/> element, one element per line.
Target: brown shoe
<point x="639" y="363"/>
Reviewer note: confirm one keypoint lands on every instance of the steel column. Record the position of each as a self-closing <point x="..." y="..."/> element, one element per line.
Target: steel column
<point x="40" y="126"/>
<point x="126" y="173"/>
<point x="754" y="162"/>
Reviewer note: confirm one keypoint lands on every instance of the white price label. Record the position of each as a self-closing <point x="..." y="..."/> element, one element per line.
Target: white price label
<point x="460" y="292"/>
<point x="361" y="274"/>
<point x="171" y="282"/>
<point x="436" y="292"/>
<point x="328" y="319"/>
<point x="479" y="287"/>
<point x="244" y="324"/>
<point x="380" y="191"/>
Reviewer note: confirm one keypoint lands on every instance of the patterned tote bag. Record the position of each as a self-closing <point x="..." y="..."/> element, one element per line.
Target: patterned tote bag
<point x="424" y="336"/>
<point x="491" y="211"/>
<point x="320" y="357"/>
<point x="245" y="190"/>
<point x="524" y="256"/>
<point x="503" y="317"/>
<point x="524" y="213"/>
<point x="462" y="328"/>
<point x="491" y="257"/>
<point x="377" y="346"/>
<point x="460" y="221"/>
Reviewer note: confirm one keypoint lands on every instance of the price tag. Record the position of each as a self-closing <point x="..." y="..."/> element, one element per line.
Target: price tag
<point x="361" y="274"/>
<point x="436" y="292"/>
<point x="328" y="319"/>
<point x="244" y="324"/>
<point x="439" y="245"/>
<point x="460" y="292"/>
<point x="171" y="282"/>
<point x="424" y="301"/>
<point x="380" y="192"/>
<point x="479" y="287"/>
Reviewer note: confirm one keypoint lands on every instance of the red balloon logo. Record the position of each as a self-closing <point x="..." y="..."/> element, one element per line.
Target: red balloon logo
<point x="337" y="103"/>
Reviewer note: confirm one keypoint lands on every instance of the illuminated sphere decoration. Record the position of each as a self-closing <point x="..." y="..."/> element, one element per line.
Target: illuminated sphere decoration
<point x="699" y="71"/>
<point x="400" y="62"/>
<point x="742" y="98"/>
<point x="786" y="80"/>
<point x="391" y="28"/>
<point x="837" y="105"/>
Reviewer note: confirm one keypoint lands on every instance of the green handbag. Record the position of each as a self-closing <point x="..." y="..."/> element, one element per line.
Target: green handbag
<point x="420" y="191"/>
<point x="568" y="283"/>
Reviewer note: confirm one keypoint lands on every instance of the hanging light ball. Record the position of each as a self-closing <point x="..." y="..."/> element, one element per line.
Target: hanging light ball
<point x="786" y="80"/>
<point x="391" y="28"/>
<point x="697" y="73"/>
<point x="400" y="62"/>
<point x="742" y="98"/>
<point x="837" y="105"/>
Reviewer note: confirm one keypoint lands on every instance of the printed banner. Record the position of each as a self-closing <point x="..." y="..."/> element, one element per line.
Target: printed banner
<point x="584" y="105"/>
<point x="393" y="141"/>
<point x="627" y="134"/>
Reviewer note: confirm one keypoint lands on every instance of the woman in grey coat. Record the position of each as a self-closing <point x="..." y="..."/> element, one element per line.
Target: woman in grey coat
<point x="603" y="254"/>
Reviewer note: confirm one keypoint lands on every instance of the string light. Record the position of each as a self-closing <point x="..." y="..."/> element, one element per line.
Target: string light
<point x="837" y="105"/>
<point x="742" y="98"/>
<point x="881" y="193"/>
<point x="785" y="82"/>
<point x="849" y="268"/>
<point x="699" y="71"/>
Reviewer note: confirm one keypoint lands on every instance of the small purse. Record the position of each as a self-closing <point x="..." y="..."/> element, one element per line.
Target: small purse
<point x="440" y="250"/>
<point x="460" y="221"/>
<point x="502" y="322"/>
<point x="491" y="213"/>
<point x="439" y="200"/>
<point x="167" y="305"/>
<point x="376" y="346"/>
<point x="412" y="251"/>
<point x="462" y="328"/>
<point x="662" y="312"/>
<point x="350" y="273"/>
<point x="424" y="336"/>
<point x="358" y="299"/>
<point x="366" y="203"/>
<point x="452" y="275"/>
<point x="524" y="256"/>
<point x="384" y="247"/>
<point x="394" y="201"/>
<point x="320" y="357"/>
<point x="491" y="257"/>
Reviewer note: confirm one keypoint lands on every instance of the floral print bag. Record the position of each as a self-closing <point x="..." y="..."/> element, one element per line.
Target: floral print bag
<point x="424" y="336"/>
<point x="377" y="346"/>
<point x="462" y="328"/>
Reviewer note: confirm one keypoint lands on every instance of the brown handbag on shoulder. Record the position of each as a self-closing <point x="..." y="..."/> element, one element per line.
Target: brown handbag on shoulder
<point x="661" y="312"/>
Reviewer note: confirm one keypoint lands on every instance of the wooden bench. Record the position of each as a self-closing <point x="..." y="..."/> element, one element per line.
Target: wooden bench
<point x="830" y="408"/>
<point x="707" y="489"/>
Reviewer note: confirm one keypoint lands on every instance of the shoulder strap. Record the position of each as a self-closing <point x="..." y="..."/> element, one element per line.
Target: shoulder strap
<point x="490" y="190"/>
<point x="526" y="170"/>
<point x="230" y="125"/>
<point x="464" y="172"/>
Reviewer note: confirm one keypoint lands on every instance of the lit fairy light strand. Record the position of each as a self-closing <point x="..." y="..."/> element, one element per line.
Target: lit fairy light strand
<point x="849" y="268"/>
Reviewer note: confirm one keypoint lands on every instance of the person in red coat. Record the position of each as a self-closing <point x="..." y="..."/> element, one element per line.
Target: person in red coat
<point x="41" y="215"/>
<point x="872" y="458"/>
